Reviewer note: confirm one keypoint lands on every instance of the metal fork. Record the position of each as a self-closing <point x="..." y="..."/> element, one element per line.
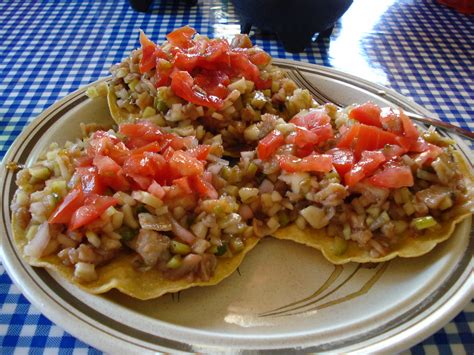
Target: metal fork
<point x="320" y="98"/>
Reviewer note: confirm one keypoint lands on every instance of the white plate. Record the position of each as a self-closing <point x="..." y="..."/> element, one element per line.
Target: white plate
<point x="389" y="307"/>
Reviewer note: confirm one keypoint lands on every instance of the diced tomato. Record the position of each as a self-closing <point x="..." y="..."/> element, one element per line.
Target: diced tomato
<point x="305" y="137"/>
<point x="367" y="113"/>
<point x="312" y="119"/>
<point x="107" y="146"/>
<point x="164" y="68"/>
<point x="393" y="175"/>
<point x="390" y="120"/>
<point x="106" y="166"/>
<point x="315" y="121"/>
<point x="269" y="145"/>
<point x="260" y="58"/>
<point x="430" y="154"/>
<point x="175" y="196"/>
<point x="167" y="153"/>
<point x="94" y="206"/>
<point x="178" y="143"/>
<point x="392" y="151"/>
<point x="200" y="152"/>
<point x="324" y="132"/>
<point x="342" y="159"/>
<point x="248" y="70"/>
<point x="117" y="182"/>
<point x="83" y="161"/>
<point x="204" y="187"/>
<point x="182" y="85"/>
<point x="163" y="77"/>
<point x="101" y="134"/>
<point x="143" y="182"/>
<point x="188" y="61"/>
<point x="146" y="164"/>
<point x="144" y="130"/>
<point x="211" y="54"/>
<point x="184" y="184"/>
<point x="215" y="56"/>
<point x="369" y="162"/>
<point x="185" y="164"/>
<point x="90" y="180"/>
<point x="409" y="129"/>
<point x="64" y="211"/>
<point x="361" y="137"/>
<point x="303" y="152"/>
<point x="419" y="146"/>
<point x="314" y="162"/>
<point x="156" y="190"/>
<point x="404" y="142"/>
<point x="181" y="37"/>
<point x="108" y="173"/>
<point x="150" y="147"/>
<point x="213" y="82"/>
<point x="148" y="60"/>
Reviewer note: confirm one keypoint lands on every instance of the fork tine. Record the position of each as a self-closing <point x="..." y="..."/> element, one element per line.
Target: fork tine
<point x="298" y="79"/>
<point x="315" y="91"/>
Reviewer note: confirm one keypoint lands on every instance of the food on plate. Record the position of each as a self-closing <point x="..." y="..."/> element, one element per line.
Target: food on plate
<point x="199" y="86"/>
<point x="363" y="184"/>
<point x="136" y="209"/>
<point x="156" y="205"/>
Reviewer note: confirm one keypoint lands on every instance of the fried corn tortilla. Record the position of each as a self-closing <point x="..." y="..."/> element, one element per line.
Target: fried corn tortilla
<point x="117" y="114"/>
<point x="410" y="246"/>
<point x="121" y="274"/>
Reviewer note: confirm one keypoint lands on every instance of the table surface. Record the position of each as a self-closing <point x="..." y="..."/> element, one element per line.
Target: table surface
<point x="50" y="48"/>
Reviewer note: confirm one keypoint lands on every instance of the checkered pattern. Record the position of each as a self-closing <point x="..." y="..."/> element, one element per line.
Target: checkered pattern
<point x="50" y="48"/>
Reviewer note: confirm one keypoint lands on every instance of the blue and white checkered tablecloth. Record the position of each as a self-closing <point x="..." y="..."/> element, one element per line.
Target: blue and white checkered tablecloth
<point x="50" y="48"/>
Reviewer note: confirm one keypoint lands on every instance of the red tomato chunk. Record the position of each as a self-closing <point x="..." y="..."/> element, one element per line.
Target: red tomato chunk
<point x="311" y="163"/>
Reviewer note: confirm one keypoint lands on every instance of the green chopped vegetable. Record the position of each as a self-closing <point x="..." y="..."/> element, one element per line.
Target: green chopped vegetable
<point x="132" y="84"/>
<point x="424" y="222"/>
<point x="32" y="231"/>
<point x="385" y="217"/>
<point x="179" y="248"/>
<point x="333" y="176"/>
<point x="160" y="105"/>
<point x="40" y="172"/>
<point x="400" y="226"/>
<point x="58" y="186"/>
<point x="339" y="245"/>
<point x="225" y="172"/>
<point x="121" y="73"/>
<point x="56" y="197"/>
<point x="252" y="169"/>
<point x="346" y="231"/>
<point x="369" y="220"/>
<point x="237" y="244"/>
<point x="221" y="250"/>
<point x="283" y="218"/>
<point x="374" y="211"/>
<point x="231" y="190"/>
<point x="127" y="233"/>
<point x="258" y="100"/>
<point x="446" y="203"/>
<point x="409" y="208"/>
<point x="175" y="262"/>
<point x="148" y="112"/>
<point x="92" y="93"/>
<point x="141" y="209"/>
<point x="248" y="194"/>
